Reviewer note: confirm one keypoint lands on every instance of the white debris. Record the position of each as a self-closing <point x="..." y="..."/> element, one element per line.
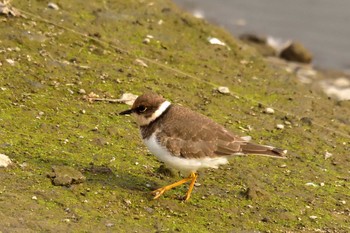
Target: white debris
<point x="341" y="82"/>
<point x="224" y="90"/>
<point x="141" y="63"/>
<point x="280" y="126"/>
<point x="4" y="160"/>
<point x="322" y="184"/>
<point x="246" y="138"/>
<point x="127" y="201"/>
<point x="82" y="91"/>
<point x="213" y="40"/>
<point x="311" y="184"/>
<point x="198" y="14"/>
<point x="128" y="98"/>
<point x="34" y="198"/>
<point x="53" y="6"/>
<point x="343" y="202"/>
<point x="10" y="61"/>
<point x="333" y="90"/>
<point x="313" y="217"/>
<point x="327" y="155"/>
<point x="269" y="110"/>
<point x="7" y="9"/>
<point x="277" y="43"/>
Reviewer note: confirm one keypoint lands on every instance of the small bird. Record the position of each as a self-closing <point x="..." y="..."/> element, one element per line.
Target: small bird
<point x="188" y="141"/>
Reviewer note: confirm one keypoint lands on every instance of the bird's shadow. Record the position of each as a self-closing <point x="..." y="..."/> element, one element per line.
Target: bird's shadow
<point x="103" y="175"/>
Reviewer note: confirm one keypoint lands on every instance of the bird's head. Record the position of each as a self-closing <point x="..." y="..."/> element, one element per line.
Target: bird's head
<point x="147" y="107"/>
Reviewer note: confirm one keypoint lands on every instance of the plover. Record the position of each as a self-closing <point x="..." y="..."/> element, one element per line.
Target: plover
<point x="188" y="141"/>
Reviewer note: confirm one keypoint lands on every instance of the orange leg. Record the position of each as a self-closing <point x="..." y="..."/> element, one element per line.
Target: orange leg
<point x="192" y="177"/>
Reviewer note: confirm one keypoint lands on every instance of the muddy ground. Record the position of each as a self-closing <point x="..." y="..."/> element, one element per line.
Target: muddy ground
<point x="50" y="59"/>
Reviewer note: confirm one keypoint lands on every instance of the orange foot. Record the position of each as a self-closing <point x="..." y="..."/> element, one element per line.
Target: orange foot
<point x="192" y="177"/>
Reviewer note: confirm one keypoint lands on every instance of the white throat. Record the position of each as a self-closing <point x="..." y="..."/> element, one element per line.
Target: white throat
<point x="142" y="121"/>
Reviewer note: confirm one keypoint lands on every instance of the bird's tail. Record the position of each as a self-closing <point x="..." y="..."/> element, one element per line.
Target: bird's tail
<point x="269" y="151"/>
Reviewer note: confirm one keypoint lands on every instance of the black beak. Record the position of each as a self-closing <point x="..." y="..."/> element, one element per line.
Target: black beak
<point x="126" y="112"/>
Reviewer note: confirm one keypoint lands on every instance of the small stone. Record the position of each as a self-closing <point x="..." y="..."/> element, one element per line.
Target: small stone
<point x="327" y="155"/>
<point x="306" y="120"/>
<point x="146" y="41"/>
<point x="311" y="184"/>
<point x="109" y="224"/>
<point x="83" y="111"/>
<point x="5" y="161"/>
<point x="65" y="176"/>
<point x="224" y="90"/>
<point x="216" y="41"/>
<point x="282" y="165"/>
<point x="82" y="91"/>
<point x="322" y="184"/>
<point x="10" y="61"/>
<point x="53" y="6"/>
<point x="34" y="198"/>
<point x="280" y="126"/>
<point x="127" y="201"/>
<point x="141" y="63"/>
<point x="313" y="217"/>
<point x="343" y="202"/>
<point x="149" y="210"/>
<point x="128" y="98"/>
<point x="296" y="52"/>
<point x="269" y="111"/>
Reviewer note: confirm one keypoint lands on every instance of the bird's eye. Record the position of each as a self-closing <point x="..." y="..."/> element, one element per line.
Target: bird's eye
<point x="141" y="109"/>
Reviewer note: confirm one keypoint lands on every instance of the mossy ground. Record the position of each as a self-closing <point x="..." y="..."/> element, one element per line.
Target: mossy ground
<point x="93" y="45"/>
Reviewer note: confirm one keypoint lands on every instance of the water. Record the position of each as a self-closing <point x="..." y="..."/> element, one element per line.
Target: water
<point x="322" y="26"/>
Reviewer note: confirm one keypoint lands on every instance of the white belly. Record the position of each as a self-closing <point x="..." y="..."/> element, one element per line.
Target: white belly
<point x="182" y="164"/>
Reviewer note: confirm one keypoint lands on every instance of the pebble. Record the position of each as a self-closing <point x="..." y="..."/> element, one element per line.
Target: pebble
<point x="313" y="217"/>
<point x="82" y="91"/>
<point x="53" y="6"/>
<point x="269" y="111"/>
<point x="4" y="160"/>
<point x="10" y="61"/>
<point x="146" y="41"/>
<point x="128" y="202"/>
<point x="216" y="41"/>
<point x="280" y="126"/>
<point x="141" y="63"/>
<point x="109" y="224"/>
<point x="311" y="184"/>
<point x="343" y="202"/>
<point x="327" y="155"/>
<point x="128" y="98"/>
<point x="224" y="90"/>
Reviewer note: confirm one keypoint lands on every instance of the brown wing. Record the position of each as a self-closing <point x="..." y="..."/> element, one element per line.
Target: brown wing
<point x="192" y="135"/>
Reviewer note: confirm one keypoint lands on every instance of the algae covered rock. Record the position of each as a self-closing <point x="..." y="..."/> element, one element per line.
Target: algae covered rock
<point x="65" y="176"/>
